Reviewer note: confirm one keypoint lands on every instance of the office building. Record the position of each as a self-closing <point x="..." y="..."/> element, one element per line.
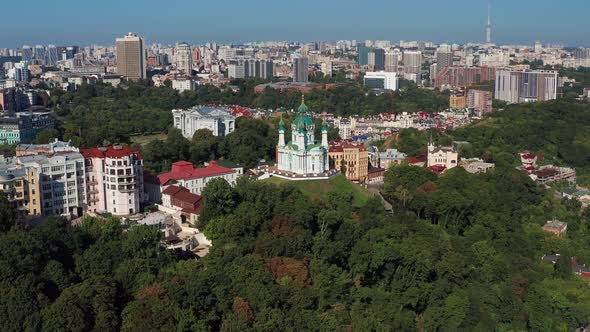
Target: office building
<point x="184" y="58"/>
<point x="131" y="62"/>
<point x="51" y="55"/>
<point x="376" y="59"/>
<point x="114" y="177"/>
<point x="363" y="54"/>
<point x="300" y="69"/>
<point x="526" y="86"/>
<point x="218" y="120"/>
<point x="381" y="80"/>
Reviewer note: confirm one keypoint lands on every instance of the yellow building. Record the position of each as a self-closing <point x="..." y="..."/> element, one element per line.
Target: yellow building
<point x="458" y="99"/>
<point x="21" y="187"/>
<point x="352" y="160"/>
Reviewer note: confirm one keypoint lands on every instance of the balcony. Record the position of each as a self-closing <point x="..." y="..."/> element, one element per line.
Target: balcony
<point x="92" y="182"/>
<point x="93" y="191"/>
<point x="93" y="200"/>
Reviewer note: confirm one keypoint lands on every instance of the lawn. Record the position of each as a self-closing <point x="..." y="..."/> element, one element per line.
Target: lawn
<point x="319" y="189"/>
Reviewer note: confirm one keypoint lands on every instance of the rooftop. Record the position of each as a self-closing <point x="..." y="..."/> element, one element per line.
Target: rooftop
<point x="184" y="170"/>
<point x="113" y="151"/>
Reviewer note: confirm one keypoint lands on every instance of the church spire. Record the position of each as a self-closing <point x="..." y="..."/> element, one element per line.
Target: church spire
<point x="302" y="108"/>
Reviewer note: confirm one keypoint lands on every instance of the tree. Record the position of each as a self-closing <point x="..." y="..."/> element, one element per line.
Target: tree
<point x="47" y="136"/>
<point x="7" y="213"/>
<point x="219" y="199"/>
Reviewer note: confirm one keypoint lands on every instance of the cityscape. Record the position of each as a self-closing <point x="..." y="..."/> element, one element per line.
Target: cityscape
<point x="298" y="185"/>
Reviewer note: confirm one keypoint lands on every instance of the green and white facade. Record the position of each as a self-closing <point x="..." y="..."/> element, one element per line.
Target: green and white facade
<point x="302" y="156"/>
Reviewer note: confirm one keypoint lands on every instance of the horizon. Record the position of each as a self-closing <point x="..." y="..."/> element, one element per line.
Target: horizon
<point x="263" y="20"/>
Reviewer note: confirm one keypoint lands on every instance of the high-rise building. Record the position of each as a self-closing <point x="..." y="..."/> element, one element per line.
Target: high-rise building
<point x="131" y="57"/>
<point x="376" y="59"/>
<point x="300" y="69"/>
<point x="392" y="60"/>
<point x="363" y="54"/>
<point x="444" y="57"/>
<point x="236" y="70"/>
<point x="266" y="68"/>
<point x="480" y="100"/>
<point x="184" y="58"/>
<point x="514" y="86"/>
<point x="51" y="55"/>
<point x="412" y="62"/>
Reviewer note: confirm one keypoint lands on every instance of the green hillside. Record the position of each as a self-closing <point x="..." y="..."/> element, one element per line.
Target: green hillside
<point x="319" y="189"/>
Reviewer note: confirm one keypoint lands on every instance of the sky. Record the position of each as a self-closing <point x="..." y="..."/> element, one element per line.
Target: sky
<point x="83" y="22"/>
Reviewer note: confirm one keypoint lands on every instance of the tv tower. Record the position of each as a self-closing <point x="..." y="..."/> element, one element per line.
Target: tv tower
<point x="489" y="26"/>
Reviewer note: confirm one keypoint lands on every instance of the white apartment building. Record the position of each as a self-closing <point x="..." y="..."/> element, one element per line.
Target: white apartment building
<point x="62" y="181"/>
<point x="381" y="80"/>
<point x="217" y="119"/>
<point x="114" y="176"/>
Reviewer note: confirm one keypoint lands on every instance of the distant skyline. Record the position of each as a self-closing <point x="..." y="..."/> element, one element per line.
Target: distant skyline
<point x="82" y="23"/>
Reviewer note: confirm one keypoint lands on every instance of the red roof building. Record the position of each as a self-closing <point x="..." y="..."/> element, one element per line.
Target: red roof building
<point x="194" y="179"/>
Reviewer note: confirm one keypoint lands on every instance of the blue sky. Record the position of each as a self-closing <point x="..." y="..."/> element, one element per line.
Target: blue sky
<point x="83" y="21"/>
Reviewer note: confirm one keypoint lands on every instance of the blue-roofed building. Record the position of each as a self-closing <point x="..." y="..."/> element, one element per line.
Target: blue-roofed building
<point x="219" y="120"/>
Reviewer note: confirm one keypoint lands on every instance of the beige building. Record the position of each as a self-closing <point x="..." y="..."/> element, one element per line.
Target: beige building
<point x="442" y="156"/>
<point x="131" y="60"/>
<point x="351" y="160"/>
<point x="21" y="186"/>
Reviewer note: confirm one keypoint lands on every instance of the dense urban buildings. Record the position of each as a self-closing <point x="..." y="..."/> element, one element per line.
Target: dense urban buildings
<point x="480" y="100"/>
<point x="218" y="120"/>
<point x="131" y="61"/>
<point x="23" y="127"/>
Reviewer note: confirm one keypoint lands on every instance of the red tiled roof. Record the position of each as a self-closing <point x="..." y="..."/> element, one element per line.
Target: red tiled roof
<point x="187" y="197"/>
<point x="119" y="151"/>
<point x="546" y="172"/>
<point x="172" y="190"/>
<point x="527" y="155"/>
<point x="183" y="170"/>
